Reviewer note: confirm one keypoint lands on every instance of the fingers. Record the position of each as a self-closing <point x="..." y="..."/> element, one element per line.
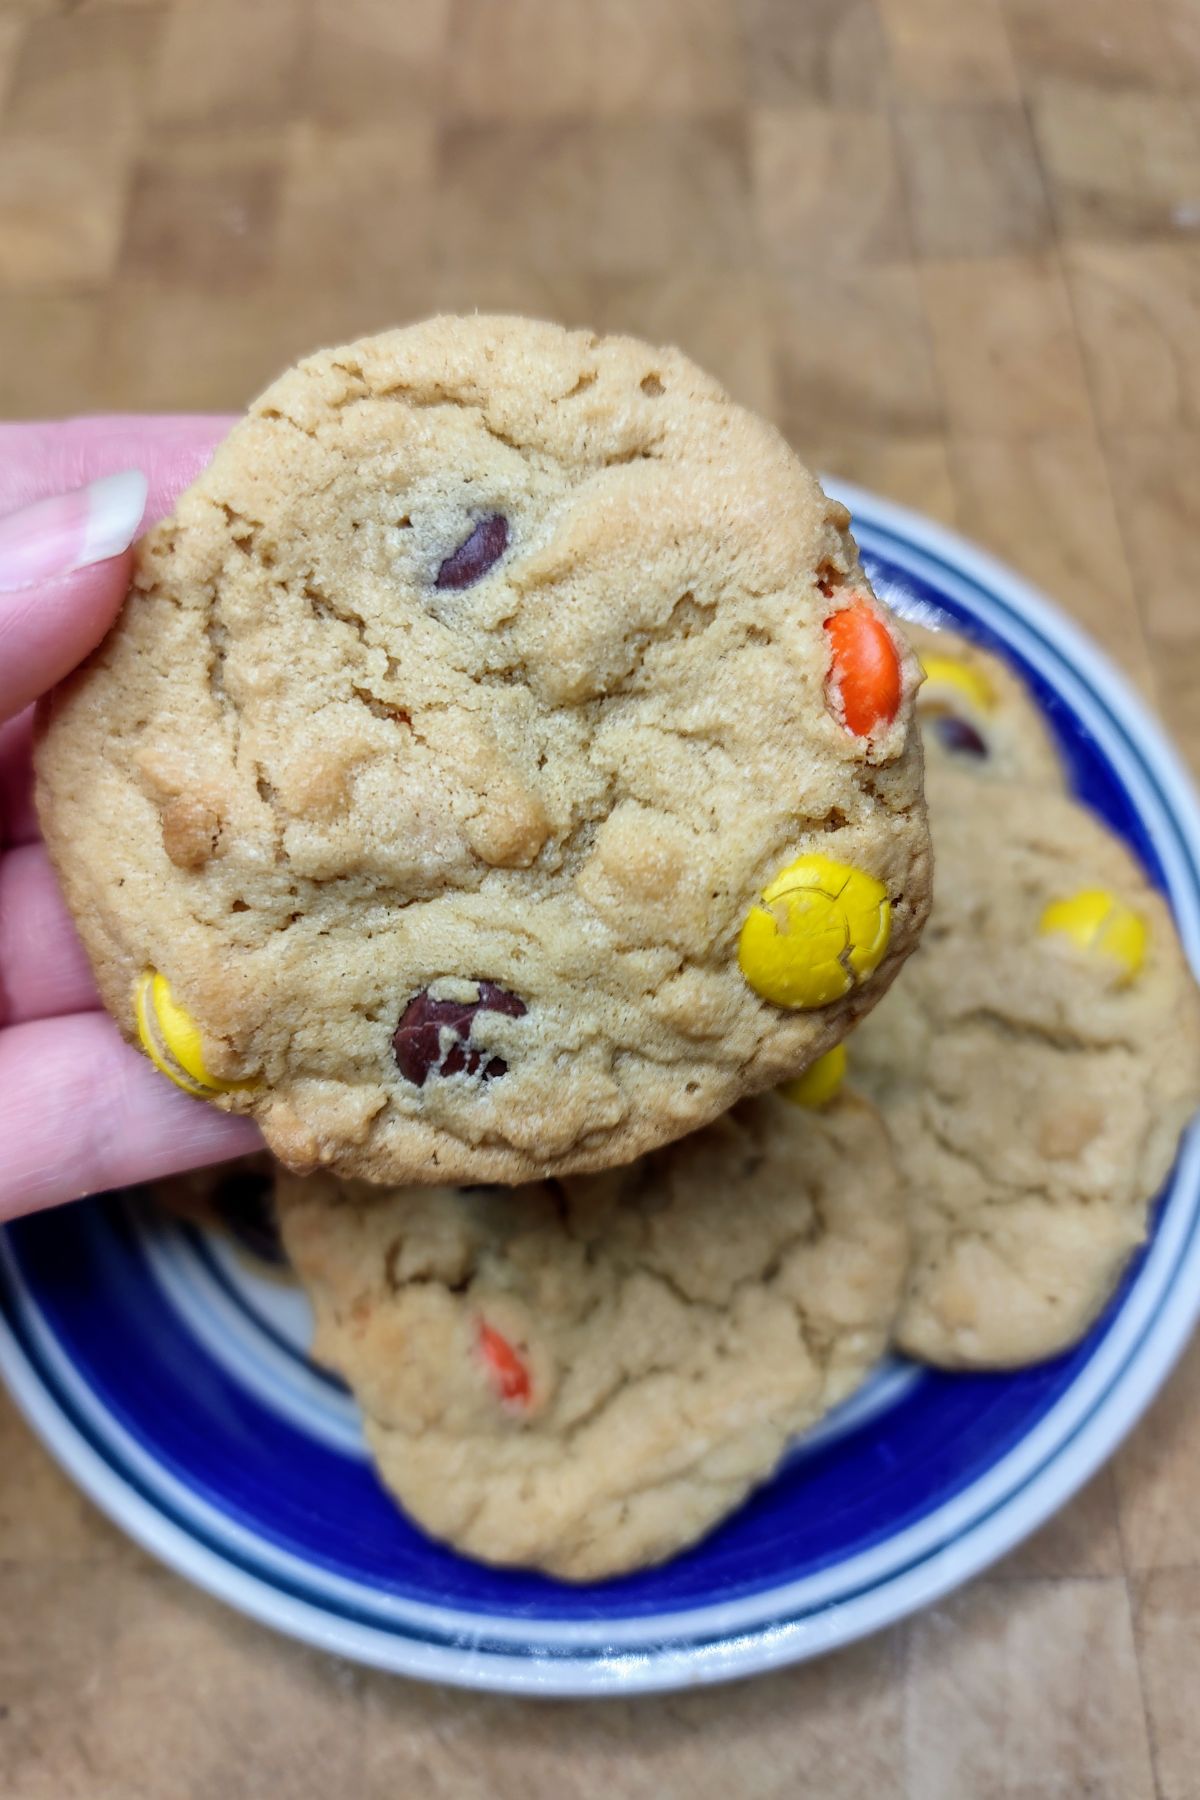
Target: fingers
<point x="58" y="457"/>
<point x="47" y="630"/>
<point x="18" y="821"/>
<point x="63" y="577"/>
<point x="72" y="499"/>
<point x="43" y="969"/>
<point x="80" y="1112"/>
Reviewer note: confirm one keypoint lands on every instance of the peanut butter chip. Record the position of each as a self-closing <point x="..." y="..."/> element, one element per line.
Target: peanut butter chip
<point x="190" y="831"/>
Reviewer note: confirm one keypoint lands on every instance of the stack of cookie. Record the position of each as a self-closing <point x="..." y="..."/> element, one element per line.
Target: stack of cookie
<point x="504" y="785"/>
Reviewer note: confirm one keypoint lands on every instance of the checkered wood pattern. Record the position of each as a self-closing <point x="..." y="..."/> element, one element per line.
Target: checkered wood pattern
<point x="952" y="247"/>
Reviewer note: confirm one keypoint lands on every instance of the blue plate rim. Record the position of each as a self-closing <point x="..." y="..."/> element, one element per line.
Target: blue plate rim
<point x="912" y="1568"/>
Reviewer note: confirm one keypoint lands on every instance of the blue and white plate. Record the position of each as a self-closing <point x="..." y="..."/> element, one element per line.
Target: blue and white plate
<point x="168" y="1375"/>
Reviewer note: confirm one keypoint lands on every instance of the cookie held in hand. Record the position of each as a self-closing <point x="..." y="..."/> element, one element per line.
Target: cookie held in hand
<point x="458" y="722"/>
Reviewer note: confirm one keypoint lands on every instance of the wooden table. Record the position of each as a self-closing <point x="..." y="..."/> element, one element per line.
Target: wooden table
<point x="951" y="245"/>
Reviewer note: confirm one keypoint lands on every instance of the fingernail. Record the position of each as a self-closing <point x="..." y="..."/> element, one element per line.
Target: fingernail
<point x="71" y="531"/>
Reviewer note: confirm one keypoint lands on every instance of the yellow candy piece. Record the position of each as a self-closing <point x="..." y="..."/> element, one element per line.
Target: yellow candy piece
<point x="820" y="1081"/>
<point x="943" y="672"/>
<point x="171" y="1038"/>
<point x="1096" y="920"/>
<point x="820" y="927"/>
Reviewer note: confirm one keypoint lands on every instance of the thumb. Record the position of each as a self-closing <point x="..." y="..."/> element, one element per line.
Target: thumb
<point x="63" y="576"/>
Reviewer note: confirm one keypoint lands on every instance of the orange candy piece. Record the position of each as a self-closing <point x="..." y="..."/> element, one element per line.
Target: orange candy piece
<point x="866" y="668"/>
<point x="509" y="1372"/>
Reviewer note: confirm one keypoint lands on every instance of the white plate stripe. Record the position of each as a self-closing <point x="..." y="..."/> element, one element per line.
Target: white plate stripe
<point x="229" y="1333"/>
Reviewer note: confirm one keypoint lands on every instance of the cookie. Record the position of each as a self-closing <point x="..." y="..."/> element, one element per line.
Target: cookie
<point x="1035" y="1065"/>
<point x="500" y="766"/>
<point x="976" y="715"/>
<point x="583" y="1376"/>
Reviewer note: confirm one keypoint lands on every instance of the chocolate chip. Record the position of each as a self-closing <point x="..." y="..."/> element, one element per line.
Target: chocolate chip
<point x="242" y="1203"/>
<point x="475" y="556"/>
<point x="434" y="1036"/>
<point x="959" y="736"/>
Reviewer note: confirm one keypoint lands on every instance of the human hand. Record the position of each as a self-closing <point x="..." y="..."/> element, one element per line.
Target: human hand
<point x="80" y="1110"/>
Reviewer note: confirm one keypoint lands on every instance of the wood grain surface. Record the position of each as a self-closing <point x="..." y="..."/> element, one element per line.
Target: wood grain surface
<point x="952" y="247"/>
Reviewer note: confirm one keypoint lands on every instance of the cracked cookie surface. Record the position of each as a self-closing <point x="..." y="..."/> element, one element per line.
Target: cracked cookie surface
<point x="456" y="722"/>
<point x="585" y="1375"/>
<point x="1035" y="1081"/>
